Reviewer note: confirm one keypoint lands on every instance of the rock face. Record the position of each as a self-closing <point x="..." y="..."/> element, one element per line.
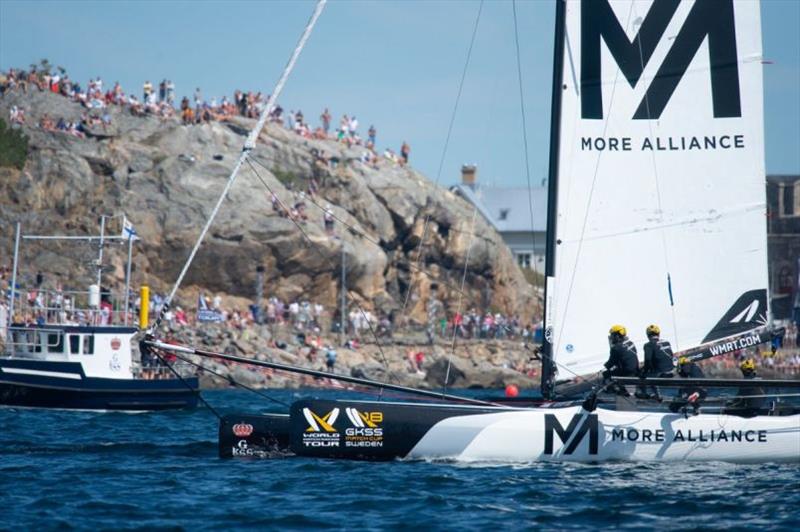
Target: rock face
<point x="166" y="178"/>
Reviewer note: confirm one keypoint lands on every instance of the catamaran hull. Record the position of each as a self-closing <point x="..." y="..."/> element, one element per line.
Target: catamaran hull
<point x="386" y="431"/>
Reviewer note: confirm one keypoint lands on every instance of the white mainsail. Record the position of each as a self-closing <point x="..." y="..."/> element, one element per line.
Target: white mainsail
<point x="661" y="200"/>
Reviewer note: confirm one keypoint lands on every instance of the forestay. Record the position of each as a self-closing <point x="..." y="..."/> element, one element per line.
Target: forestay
<point x="660" y="188"/>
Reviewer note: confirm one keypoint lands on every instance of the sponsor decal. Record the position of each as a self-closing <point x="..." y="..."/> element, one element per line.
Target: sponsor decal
<point x="243" y="430"/>
<point x="739" y="343"/>
<point x="243" y="449"/>
<point x="116" y="343"/>
<point x="708" y="20"/>
<point x="366" y="430"/>
<point x="578" y="427"/>
<point x="679" y="143"/>
<point x="582" y="425"/>
<point x="748" y="312"/>
<point x="114" y="364"/>
<point x="321" y="431"/>
<point x="658" y="435"/>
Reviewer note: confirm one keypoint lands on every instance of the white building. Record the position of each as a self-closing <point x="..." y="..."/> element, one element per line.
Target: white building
<point x="519" y="214"/>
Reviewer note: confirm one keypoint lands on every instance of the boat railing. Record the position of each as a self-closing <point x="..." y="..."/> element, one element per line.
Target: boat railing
<point x="162" y="372"/>
<point x="25" y="342"/>
<point x="72" y="307"/>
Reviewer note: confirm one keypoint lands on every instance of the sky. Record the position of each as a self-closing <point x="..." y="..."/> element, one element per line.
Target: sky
<point x="393" y="64"/>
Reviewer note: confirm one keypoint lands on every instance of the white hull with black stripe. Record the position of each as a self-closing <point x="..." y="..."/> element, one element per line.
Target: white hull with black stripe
<point x="84" y="368"/>
<point x="424" y="431"/>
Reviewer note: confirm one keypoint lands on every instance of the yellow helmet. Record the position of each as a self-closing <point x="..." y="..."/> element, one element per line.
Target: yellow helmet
<point x="747" y="365"/>
<point x="683" y="360"/>
<point x="653" y="330"/>
<point x="618" y="329"/>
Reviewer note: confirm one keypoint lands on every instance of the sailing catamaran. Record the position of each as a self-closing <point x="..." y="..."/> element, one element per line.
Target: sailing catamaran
<point x="656" y="213"/>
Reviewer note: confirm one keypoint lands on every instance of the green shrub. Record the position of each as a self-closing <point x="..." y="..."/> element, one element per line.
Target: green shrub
<point x="288" y="179"/>
<point x="13" y="147"/>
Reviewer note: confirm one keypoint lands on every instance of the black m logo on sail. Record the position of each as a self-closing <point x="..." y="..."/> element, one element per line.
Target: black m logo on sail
<point x="589" y="424"/>
<point x="708" y="18"/>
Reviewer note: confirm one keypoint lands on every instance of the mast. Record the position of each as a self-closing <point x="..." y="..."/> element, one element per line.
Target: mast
<point x="548" y="364"/>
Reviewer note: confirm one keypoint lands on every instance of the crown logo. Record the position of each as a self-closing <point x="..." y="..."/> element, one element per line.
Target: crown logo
<point x="243" y="429"/>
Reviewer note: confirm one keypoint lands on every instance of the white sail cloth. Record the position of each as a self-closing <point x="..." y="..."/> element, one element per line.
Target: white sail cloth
<point x="660" y="219"/>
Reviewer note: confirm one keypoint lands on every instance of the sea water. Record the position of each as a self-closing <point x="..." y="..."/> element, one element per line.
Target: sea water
<point x="88" y="470"/>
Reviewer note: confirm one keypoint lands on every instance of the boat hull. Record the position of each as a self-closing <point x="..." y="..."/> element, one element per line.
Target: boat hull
<point x="386" y="431"/>
<point x="65" y="386"/>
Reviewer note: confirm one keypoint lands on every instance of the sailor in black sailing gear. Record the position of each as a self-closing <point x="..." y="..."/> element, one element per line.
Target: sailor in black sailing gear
<point x="688" y="396"/>
<point x="622" y="360"/>
<point x="657" y="362"/>
<point x="749" y="399"/>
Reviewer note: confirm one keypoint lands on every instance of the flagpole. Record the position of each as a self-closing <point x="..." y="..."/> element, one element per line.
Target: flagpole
<point x="128" y="276"/>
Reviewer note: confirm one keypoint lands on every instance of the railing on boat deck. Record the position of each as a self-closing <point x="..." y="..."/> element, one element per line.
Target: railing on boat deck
<point x="23" y="340"/>
<point x="70" y="307"/>
<point x="162" y="372"/>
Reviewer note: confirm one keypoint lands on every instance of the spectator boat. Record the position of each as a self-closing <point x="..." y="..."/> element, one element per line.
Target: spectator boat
<point x="75" y="357"/>
<point x="656" y="213"/>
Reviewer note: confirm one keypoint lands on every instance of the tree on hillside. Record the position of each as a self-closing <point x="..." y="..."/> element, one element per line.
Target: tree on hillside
<point x="13" y="147"/>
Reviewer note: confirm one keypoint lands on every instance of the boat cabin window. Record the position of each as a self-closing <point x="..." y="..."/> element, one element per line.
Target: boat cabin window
<point x="55" y="343"/>
<point x="88" y="344"/>
<point x="75" y="344"/>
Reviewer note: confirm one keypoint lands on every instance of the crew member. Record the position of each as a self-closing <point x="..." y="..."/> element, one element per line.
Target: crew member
<point x="622" y="360"/>
<point x="749" y="399"/>
<point x="688" y="396"/>
<point x="657" y="361"/>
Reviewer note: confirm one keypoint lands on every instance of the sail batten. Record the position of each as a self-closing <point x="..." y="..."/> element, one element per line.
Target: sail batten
<point x="660" y="203"/>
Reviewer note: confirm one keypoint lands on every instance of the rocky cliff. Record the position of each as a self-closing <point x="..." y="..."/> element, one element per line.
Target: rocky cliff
<point x="166" y="177"/>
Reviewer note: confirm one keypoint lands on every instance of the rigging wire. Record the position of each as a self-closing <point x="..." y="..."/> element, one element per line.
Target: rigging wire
<point x="446" y="145"/>
<point x="196" y="391"/>
<point x="606" y="121"/>
<point x="316" y="249"/>
<point x="524" y="133"/>
<point x="248" y="145"/>
<point x="355" y="231"/>
<point x="231" y="380"/>
<point x="658" y="201"/>
<point x="458" y="307"/>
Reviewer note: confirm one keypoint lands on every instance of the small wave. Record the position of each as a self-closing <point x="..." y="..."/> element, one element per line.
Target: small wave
<point x="141" y="448"/>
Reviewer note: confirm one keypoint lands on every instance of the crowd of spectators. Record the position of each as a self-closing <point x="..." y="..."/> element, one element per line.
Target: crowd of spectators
<point x="160" y="100"/>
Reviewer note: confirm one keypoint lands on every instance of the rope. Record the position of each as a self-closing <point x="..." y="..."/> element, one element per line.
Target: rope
<point x="231" y="380"/>
<point x="458" y="307"/>
<point x="591" y="194"/>
<point x="248" y="145"/>
<point x="196" y="391"/>
<point x="360" y="233"/>
<point x="316" y="249"/>
<point x="446" y="144"/>
<point x="658" y="201"/>
<point x="524" y="130"/>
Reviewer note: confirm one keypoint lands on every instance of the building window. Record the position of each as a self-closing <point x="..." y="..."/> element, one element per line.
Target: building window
<point x="524" y="260"/>
<point x="503" y="214"/>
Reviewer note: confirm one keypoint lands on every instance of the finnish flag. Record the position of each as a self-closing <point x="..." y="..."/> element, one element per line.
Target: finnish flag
<point x="128" y="232"/>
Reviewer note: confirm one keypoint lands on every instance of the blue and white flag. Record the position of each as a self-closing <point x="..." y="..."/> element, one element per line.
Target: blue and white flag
<point x="128" y="232"/>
